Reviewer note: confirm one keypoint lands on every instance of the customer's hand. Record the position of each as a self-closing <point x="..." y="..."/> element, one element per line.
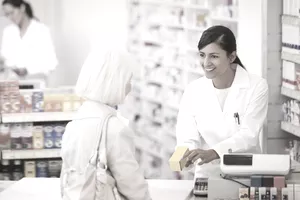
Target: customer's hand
<point x="205" y="155"/>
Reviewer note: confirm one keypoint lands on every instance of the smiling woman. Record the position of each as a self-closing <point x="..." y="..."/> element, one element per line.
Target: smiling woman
<point x="223" y="111"/>
<point x="218" y="56"/>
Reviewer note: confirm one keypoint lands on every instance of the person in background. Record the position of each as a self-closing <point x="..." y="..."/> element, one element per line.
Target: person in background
<point x="27" y="46"/>
<point x="104" y="82"/>
<point x="223" y="111"/>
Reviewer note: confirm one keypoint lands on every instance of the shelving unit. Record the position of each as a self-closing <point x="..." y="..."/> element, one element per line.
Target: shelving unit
<point x="288" y="127"/>
<point x="30" y="154"/>
<point x="171" y="4"/>
<point x="37" y="117"/>
<point x="291" y="20"/>
<point x="294" y="94"/>
<point x="290" y="57"/>
<point x="32" y="122"/>
<point x="290" y="86"/>
<point x="164" y="36"/>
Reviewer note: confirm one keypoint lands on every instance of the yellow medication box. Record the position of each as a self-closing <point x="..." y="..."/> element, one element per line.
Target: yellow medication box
<point x="176" y="162"/>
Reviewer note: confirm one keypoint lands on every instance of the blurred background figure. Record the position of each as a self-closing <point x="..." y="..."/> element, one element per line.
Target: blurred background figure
<point x="27" y="47"/>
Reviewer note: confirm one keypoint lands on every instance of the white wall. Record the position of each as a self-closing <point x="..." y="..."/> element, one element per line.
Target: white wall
<point x="83" y="24"/>
<point x="249" y="44"/>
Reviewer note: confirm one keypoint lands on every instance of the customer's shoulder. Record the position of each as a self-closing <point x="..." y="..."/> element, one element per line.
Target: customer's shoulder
<point x="118" y="127"/>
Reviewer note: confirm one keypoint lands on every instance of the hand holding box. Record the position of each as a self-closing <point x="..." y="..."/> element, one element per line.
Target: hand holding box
<point x="176" y="161"/>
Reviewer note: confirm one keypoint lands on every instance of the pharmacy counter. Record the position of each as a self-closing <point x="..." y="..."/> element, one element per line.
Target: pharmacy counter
<point x="49" y="189"/>
<point x="5" y="184"/>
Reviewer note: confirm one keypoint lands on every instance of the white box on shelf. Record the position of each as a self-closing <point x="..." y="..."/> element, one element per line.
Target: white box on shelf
<point x="290" y="75"/>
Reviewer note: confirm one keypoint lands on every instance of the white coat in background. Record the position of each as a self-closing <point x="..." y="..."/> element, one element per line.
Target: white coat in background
<point x="34" y="51"/>
<point x="79" y="142"/>
<point x="201" y="122"/>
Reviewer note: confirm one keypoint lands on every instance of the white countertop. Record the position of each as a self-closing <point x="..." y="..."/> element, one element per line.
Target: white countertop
<point x="5" y="184"/>
<point x="49" y="189"/>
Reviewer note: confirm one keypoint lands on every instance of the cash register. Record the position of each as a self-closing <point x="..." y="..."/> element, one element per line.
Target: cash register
<point x="237" y="172"/>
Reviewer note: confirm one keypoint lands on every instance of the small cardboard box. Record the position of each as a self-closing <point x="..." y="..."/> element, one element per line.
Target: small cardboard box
<point x="176" y="161"/>
<point x="29" y="169"/>
<point x="38" y="137"/>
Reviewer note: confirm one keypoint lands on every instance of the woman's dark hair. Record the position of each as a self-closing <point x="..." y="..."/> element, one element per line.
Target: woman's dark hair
<point x="222" y="36"/>
<point x="18" y="4"/>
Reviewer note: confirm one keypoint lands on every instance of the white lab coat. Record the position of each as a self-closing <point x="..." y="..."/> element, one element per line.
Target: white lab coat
<point x="79" y="141"/>
<point x="201" y="123"/>
<point x="34" y="51"/>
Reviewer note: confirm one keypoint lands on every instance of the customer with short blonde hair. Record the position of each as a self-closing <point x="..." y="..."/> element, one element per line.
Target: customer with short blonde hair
<point x="104" y="82"/>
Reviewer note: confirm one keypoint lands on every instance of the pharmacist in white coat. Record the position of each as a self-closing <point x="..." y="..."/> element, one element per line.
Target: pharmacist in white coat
<point x="104" y="82"/>
<point x="27" y="46"/>
<point x="223" y="111"/>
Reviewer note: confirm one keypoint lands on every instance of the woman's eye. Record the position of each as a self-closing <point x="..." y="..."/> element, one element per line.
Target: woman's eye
<point x="201" y="55"/>
<point x="213" y="56"/>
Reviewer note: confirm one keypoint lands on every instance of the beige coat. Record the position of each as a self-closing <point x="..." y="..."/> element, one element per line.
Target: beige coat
<point x="79" y="141"/>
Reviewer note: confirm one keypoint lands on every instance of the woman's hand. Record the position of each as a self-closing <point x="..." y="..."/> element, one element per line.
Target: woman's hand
<point x="205" y="155"/>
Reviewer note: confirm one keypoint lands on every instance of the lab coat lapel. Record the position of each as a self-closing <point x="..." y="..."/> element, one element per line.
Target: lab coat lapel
<point x="237" y="91"/>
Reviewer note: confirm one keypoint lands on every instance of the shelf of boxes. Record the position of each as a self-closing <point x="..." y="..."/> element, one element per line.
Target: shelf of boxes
<point x="30" y="154"/>
<point x="36" y="117"/>
<point x="295" y="58"/>
<point x="290" y="128"/>
<point x="294" y="94"/>
<point x="290" y="20"/>
<point x="23" y="103"/>
<point x="290" y="68"/>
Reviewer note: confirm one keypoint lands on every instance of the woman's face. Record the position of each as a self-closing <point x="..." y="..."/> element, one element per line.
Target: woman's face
<point x="214" y="60"/>
<point x="14" y="14"/>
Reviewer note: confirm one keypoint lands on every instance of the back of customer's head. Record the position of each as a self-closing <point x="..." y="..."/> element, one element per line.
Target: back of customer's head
<point x="105" y="75"/>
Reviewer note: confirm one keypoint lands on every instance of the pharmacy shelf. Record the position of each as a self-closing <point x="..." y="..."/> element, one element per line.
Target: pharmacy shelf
<point x="294" y="94"/>
<point x="175" y="86"/>
<point x="288" y="127"/>
<point x="290" y="20"/>
<point x="37" y="117"/>
<point x="152" y="99"/>
<point x="290" y="57"/>
<point x="30" y="154"/>
<point x="159" y="101"/>
<point x="173" y="4"/>
<point x="140" y="144"/>
<point x="178" y="26"/>
<point x="223" y="19"/>
<point x="196" y="71"/>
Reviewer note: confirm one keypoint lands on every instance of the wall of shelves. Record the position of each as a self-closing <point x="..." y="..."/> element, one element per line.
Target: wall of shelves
<point x="32" y="123"/>
<point x="290" y="123"/>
